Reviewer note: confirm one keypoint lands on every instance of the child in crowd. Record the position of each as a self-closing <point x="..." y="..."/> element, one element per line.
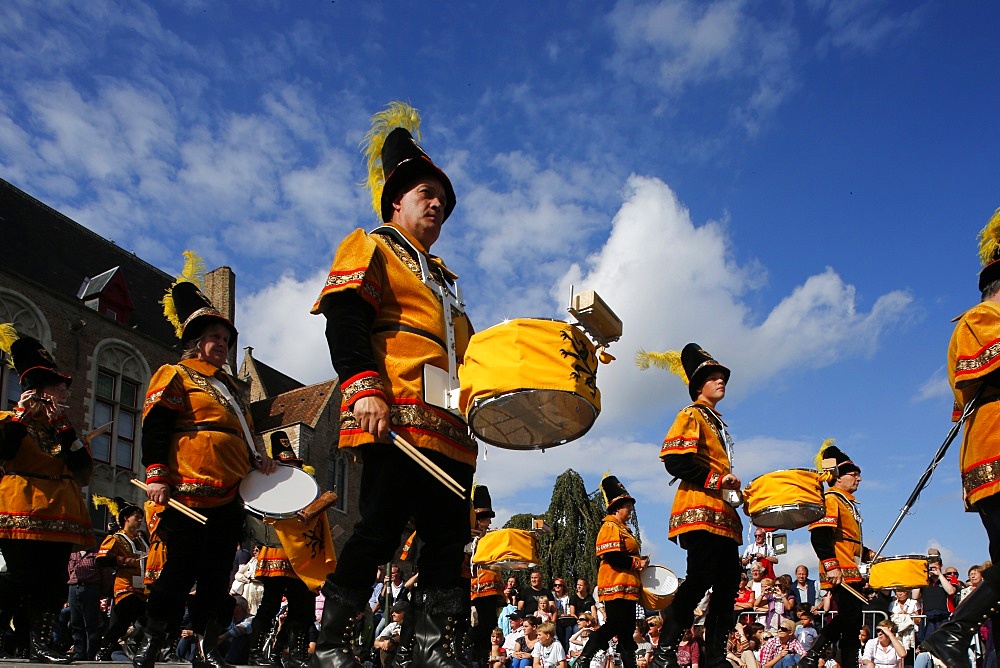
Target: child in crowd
<point x="805" y="632"/>
<point x="498" y="655"/>
<point x="547" y="653"/>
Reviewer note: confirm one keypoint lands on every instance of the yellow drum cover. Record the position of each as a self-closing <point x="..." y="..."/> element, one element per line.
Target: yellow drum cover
<point x="511" y="549"/>
<point x="788" y="499"/>
<point x="904" y="572"/>
<point x="530" y="383"/>
<point x="659" y="584"/>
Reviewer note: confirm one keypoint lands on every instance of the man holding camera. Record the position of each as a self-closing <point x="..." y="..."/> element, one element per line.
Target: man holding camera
<point x="760" y="552"/>
<point x="937" y="598"/>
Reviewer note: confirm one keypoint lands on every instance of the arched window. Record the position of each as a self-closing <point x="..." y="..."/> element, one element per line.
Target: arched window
<point x="29" y="321"/>
<point x="337" y="478"/>
<point x="121" y="375"/>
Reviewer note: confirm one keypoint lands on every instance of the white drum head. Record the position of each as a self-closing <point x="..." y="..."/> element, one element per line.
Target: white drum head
<point x="659" y="580"/>
<point x="281" y="494"/>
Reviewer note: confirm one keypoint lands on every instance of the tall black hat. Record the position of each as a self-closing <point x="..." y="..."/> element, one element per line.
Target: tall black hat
<point x="125" y="508"/>
<point x="697" y="364"/>
<point x="188" y="309"/>
<point x="396" y="160"/>
<point x="989" y="251"/>
<point x="33" y="363"/>
<point x="615" y="493"/>
<point x="281" y="449"/>
<point x="844" y="465"/>
<point x="482" y="504"/>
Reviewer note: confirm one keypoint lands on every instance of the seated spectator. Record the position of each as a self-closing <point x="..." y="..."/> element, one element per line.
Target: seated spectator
<point x="644" y="645"/>
<point x="744" y="595"/>
<point x="521" y="657"/>
<point x="655" y="624"/>
<point x="546" y="609"/>
<point x="768" y="601"/>
<point x="783" y="592"/>
<point x="783" y="650"/>
<point x="576" y="641"/>
<point x="885" y="650"/>
<point x="805" y="632"/>
<point x="756" y="580"/>
<point x="740" y="651"/>
<point x="388" y="638"/>
<point x="902" y="612"/>
<point x="528" y="602"/>
<point x="498" y="655"/>
<point x="547" y="652"/>
<point x="975" y="579"/>
<point x="807" y="591"/>
<point x="688" y="652"/>
<point x="516" y="620"/>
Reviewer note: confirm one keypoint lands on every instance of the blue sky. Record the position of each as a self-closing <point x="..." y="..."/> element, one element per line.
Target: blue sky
<point x="797" y="186"/>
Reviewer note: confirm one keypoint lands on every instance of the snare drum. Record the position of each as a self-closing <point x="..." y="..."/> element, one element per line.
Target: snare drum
<point x="909" y="571"/>
<point x="530" y="383"/>
<point x="278" y="496"/>
<point x="788" y="499"/>
<point x="510" y="549"/>
<point x="659" y="584"/>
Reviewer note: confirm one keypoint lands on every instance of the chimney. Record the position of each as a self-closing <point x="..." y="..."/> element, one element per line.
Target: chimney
<point x="220" y="288"/>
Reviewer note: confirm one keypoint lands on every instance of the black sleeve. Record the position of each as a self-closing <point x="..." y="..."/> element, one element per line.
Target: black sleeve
<point x="157" y="430"/>
<point x="349" y="321"/>
<point x="621" y="561"/>
<point x="12" y="433"/>
<point x="822" y="542"/>
<point x="77" y="460"/>
<point x="687" y="468"/>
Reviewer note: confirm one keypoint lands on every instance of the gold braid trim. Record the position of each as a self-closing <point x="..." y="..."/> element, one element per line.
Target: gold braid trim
<point x="717" y="518"/>
<point x="980" y="476"/>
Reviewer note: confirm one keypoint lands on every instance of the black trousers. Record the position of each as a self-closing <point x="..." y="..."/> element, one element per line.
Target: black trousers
<point x="36" y="575"/>
<point x="197" y="553"/>
<point x="393" y="490"/>
<point x="844" y="627"/>
<point x="619" y="621"/>
<point x="712" y="561"/>
<point x="123" y="614"/>
<point x="486" y="612"/>
<point x="301" y="604"/>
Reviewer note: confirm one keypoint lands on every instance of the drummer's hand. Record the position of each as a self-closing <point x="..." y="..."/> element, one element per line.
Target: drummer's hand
<point x="730" y="481"/>
<point x="372" y="414"/>
<point x="835" y="576"/>
<point x="267" y="465"/>
<point x="29" y="403"/>
<point x="643" y="562"/>
<point x="158" y="492"/>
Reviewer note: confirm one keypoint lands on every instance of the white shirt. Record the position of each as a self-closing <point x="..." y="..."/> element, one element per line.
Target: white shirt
<point x="880" y="656"/>
<point x="551" y="655"/>
<point x="510" y="640"/>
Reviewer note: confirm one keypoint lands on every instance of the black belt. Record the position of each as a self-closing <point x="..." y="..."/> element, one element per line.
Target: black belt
<point x="411" y="330"/>
<point x="209" y="427"/>
<point x="39" y="476"/>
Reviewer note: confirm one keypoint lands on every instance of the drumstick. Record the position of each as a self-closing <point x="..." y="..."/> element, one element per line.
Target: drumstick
<point x="175" y="504"/>
<point x="854" y="592"/>
<point x="427" y="464"/>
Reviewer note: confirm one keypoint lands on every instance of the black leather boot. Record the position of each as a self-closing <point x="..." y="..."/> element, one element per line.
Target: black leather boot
<point x="209" y="655"/>
<point x="107" y="649"/>
<point x="815" y="653"/>
<point x="258" y="651"/>
<point x="41" y="640"/>
<point x="298" y="647"/>
<point x="950" y="643"/>
<point x="665" y="655"/>
<point x="333" y="648"/>
<point x="154" y="636"/>
<point x="441" y="622"/>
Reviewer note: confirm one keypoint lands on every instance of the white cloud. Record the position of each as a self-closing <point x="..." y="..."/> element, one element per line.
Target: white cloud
<point x="935" y="387"/>
<point x="866" y="25"/>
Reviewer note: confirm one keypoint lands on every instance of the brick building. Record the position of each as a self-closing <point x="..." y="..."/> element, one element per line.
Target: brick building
<point x="95" y="307"/>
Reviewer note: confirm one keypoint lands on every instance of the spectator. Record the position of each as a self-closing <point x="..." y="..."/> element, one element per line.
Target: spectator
<point x="744" y="595"/>
<point x="522" y="656"/>
<point x="86" y="588"/>
<point x="936" y="597"/>
<point x="807" y="591"/>
<point x="902" y="613"/>
<point x="769" y="601"/>
<point x="516" y="620"/>
<point x="644" y="646"/>
<point x="528" y="604"/>
<point x="884" y="650"/>
<point x="655" y="624"/>
<point x="975" y="579"/>
<point x="545" y="609"/>
<point x="582" y="599"/>
<point x="234" y="642"/>
<point x="498" y="655"/>
<point x="587" y="623"/>
<point x="805" y="632"/>
<point x="783" y="650"/>
<point x="760" y="552"/>
<point x="547" y="653"/>
<point x="565" y="619"/>
<point x="756" y="580"/>
<point x="388" y="639"/>
<point x="503" y="618"/>
<point x="688" y="652"/>
<point x="511" y="591"/>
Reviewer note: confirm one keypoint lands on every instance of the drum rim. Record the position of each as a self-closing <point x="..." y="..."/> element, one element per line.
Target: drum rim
<point x="677" y="580"/>
<point x="785" y="506"/>
<point x="901" y="557"/>
<point x="481" y="403"/>
<point x="296" y="471"/>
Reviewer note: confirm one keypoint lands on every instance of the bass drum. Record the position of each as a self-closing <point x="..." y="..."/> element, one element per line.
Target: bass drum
<point x="530" y="384"/>
<point x="659" y="584"/>
<point x="506" y="549"/>
<point x="788" y="499"/>
<point x="908" y="571"/>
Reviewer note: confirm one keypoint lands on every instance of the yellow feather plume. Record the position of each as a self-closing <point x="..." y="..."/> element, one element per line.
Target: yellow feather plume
<point x="112" y="507"/>
<point x="193" y="272"/>
<point x="819" y="455"/>
<point x="395" y="115"/>
<point x="311" y="470"/>
<point x="989" y="240"/>
<point x="8" y="335"/>
<point x="669" y="360"/>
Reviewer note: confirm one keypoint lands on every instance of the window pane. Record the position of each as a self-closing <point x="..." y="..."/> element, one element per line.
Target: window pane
<point x="126" y="425"/>
<point x="12" y="389"/>
<point x="123" y="454"/>
<point x="103" y="413"/>
<point x="130" y="392"/>
<point x="105" y="386"/>
<point x="100" y="447"/>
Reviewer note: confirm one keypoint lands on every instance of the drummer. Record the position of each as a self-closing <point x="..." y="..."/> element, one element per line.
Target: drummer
<point x="703" y="520"/>
<point x="972" y="371"/>
<point x="836" y="539"/>
<point x="618" y="579"/>
<point x="487" y="587"/>
<point x="196" y="450"/>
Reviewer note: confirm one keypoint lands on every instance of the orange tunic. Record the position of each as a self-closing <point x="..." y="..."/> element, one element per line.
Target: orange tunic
<point x="845" y="520"/>
<point x="973" y="354"/>
<point x="204" y="467"/>
<point x="408" y="333"/>
<point x="39" y="497"/>
<point x="157" y="555"/>
<point x="613" y="583"/>
<point x="701" y="507"/>
<point x="273" y="562"/>
<point x="120" y="546"/>
<point x="485" y="582"/>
